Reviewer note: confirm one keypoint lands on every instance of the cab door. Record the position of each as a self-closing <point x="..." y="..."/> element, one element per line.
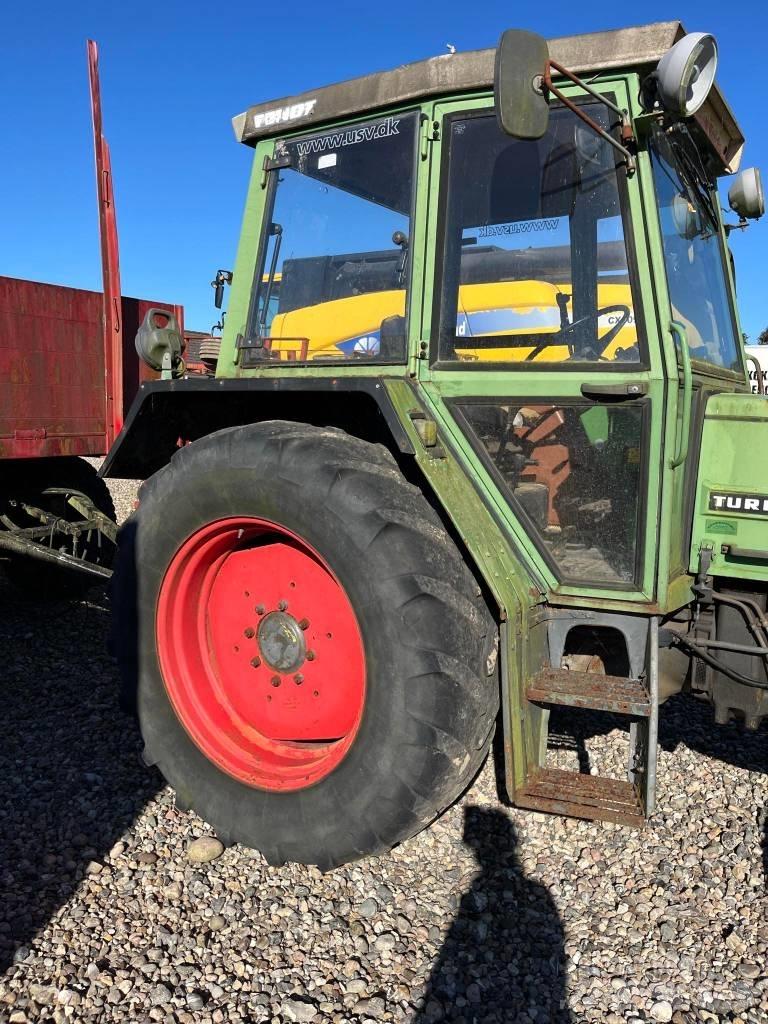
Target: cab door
<point x="536" y="356"/>
<point x="695" y="289"/>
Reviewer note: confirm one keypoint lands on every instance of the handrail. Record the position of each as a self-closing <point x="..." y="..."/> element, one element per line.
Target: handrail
<point x="759" y="372"/>
<point x="685" y="427"/>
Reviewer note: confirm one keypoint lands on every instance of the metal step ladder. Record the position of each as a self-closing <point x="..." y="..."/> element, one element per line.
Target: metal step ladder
<point x="579" y="795"/>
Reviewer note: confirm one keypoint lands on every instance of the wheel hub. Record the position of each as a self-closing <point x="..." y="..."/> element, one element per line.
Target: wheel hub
<point x="281" y="642"/>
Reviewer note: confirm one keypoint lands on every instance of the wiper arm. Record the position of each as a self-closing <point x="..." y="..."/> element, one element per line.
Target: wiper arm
<point x="693" y="174"/>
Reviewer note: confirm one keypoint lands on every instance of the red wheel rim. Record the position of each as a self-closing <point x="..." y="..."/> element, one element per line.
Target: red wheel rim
<point x="261" y="653"/>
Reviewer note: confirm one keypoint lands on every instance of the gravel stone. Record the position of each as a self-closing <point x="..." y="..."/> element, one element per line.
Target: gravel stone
<point x="298" y="1010"/>
<point x="747" y="970"/>
<point x="205" y="849"/>
<point x="491" y="914"/>
<point x="368" y="908"/>
<point x="662" y="1010"/>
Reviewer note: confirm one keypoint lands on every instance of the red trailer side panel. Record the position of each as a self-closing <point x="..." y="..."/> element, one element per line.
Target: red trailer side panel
<point x="52" y="369"/>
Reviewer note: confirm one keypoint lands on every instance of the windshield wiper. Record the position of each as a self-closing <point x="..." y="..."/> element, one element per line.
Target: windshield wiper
<point x="692" y="172"/>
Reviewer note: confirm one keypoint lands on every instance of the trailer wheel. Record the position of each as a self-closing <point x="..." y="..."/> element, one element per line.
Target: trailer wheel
<point x="27" y="482"/>
<point x="312" y="654"/>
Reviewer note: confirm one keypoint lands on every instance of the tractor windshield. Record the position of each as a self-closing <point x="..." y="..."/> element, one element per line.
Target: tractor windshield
<point x="535" y="264"/>
<point x="332" y="278"/>
<point x="694" y="253"/>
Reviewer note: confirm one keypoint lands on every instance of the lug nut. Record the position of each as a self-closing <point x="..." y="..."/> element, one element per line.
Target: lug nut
<point x="256" y="662"/>
<point x="310" y="655"/>
<point x="260" y="609"/>
<point x="298" y="679"/>
<point x="249" y="632"/>
<point x="282" y="606"/>
<point x="304" y="624"/>
<point x="275" y="680"/>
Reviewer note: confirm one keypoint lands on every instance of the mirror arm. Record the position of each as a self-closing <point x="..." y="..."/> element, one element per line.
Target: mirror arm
<point x="626" y="128"/>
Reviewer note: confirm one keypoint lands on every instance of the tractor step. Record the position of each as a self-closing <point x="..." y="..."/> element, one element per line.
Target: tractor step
<point x="582" y="796"/>
<point x="591" y="691"/>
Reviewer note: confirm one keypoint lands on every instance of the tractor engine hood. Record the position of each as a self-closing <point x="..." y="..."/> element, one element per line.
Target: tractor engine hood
<point x="731" y="501"/>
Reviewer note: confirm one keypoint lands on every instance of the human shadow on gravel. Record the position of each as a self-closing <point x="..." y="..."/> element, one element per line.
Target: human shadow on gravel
<point x="71" y="781"/>
<point x="503" y="959"/>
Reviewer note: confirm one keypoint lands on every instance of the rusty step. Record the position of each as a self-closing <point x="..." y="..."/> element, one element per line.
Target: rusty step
<point x="582" y="796"/>
<point x="590" y="690"/>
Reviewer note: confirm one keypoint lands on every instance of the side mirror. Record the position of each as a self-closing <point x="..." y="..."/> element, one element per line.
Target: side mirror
<point x="746" y="196"/>
<point x="518" y="84"/>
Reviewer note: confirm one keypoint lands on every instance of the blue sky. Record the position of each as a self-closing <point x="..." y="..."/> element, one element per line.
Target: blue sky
<point x="173" y="74"/>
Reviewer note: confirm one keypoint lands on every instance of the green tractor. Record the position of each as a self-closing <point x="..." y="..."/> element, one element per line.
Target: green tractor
<point x="479" y="442"/>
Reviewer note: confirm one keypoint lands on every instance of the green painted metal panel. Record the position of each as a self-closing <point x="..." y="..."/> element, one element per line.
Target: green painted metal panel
<point x="505" y="574"/>
<point x="731" y="511"/>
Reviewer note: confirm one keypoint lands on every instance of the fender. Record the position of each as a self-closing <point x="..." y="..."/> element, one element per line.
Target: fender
<point x="165" y="415"/>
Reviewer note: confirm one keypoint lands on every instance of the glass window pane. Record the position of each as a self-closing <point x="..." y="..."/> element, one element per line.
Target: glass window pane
<point x="333" y="280"/>
<point x="693" y="252"/>
<point x="535" y="260"/>
<point x="573" y="475"/>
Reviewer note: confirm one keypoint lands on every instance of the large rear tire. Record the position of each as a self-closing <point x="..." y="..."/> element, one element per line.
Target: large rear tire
<point x="312" y="657"/>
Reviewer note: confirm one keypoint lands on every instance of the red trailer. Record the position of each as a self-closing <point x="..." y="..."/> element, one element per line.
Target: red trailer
<point x="67" y="373"/>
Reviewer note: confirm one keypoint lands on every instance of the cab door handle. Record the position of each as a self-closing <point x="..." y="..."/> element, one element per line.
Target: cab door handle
<point x="620" y="391"/>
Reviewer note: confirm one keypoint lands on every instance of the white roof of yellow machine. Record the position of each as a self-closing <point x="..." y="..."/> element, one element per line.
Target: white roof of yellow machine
<point x="626" y="48"/>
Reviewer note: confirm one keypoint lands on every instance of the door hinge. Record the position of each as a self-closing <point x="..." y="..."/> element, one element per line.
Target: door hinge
<point x="430" y="132"/>
<point x="274" y="163"/>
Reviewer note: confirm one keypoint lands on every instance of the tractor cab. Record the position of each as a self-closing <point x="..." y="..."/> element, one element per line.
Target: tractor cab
<point x="545" y="256"/>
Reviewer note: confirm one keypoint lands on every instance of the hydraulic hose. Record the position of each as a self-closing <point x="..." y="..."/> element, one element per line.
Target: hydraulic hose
<point x="718" y="665"/>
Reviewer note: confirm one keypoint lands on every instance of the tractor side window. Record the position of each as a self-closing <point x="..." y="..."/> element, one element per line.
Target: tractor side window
<point x="333" y="276"/>
<point x="573" y="473"/>
<point x="535" y="266"/>
<point x="693" y="251"/>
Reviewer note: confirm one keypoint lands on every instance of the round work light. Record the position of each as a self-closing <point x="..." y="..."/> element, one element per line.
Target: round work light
<point x="686" y="72"/>
<point x="746" y="196"/>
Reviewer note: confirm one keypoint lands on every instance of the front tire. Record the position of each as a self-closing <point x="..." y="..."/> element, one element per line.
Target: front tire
<point x="308" y="647"/>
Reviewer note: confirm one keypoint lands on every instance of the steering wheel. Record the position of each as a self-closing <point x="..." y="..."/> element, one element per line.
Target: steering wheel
<point x="604" y="342"/>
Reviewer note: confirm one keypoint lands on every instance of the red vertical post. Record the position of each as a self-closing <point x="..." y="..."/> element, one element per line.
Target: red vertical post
<point x="110" y="260"/>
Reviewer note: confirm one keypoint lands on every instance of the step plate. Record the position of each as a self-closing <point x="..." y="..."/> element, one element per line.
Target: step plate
<point x="582" y="796"/>
<point x="589" y="690"/>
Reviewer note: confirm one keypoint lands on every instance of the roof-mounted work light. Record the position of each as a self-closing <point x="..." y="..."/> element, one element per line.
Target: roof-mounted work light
<point x="684" y="75"/>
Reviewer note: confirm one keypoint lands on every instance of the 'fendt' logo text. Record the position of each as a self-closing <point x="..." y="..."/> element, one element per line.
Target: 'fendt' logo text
<point x="270" y="118"/>
<point x="746" y="504"/>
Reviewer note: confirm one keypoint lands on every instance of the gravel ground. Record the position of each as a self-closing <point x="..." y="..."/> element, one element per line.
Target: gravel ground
<point x="490" y="915"/>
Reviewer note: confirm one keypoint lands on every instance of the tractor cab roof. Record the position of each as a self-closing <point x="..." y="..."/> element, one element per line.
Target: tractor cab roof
<point x="627" y="49"/>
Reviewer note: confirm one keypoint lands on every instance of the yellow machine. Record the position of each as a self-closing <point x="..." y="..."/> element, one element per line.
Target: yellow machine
<point x="518" y="310"/>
